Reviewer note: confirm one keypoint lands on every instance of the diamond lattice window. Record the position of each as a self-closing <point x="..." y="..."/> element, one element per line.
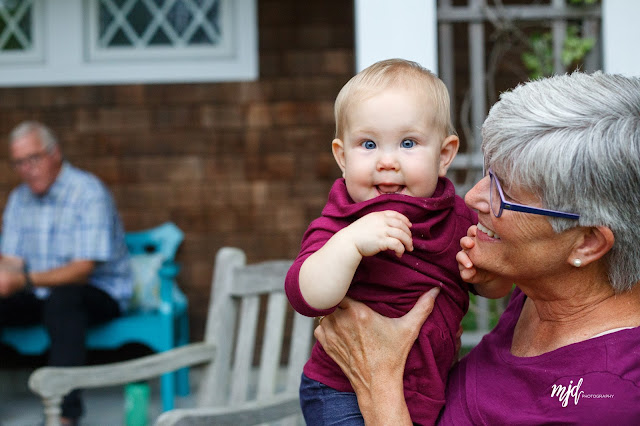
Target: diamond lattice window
<point x="18" y="41"/>
<point x="158" y="23"/>
<point x="15" y="25"/>
<point x="52" y="42"/>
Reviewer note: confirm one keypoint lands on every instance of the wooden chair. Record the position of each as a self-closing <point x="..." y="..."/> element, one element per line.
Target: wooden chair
<point x="253" y="352"/>
<point x="161" y="324"/>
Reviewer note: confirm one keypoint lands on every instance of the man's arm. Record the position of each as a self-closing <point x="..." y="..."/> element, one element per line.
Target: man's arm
<point x="14" y="279"/>
<point x="326" y="275"/>
<point x="74" y="272"/>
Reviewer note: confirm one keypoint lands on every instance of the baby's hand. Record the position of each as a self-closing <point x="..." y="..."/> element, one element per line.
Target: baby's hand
<point x="467" y="269"/>
<point x="380" y="231"/>
<point x="486" y="284"/>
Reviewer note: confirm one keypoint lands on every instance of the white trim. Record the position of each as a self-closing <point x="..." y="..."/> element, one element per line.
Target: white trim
<point x="396" y="29"/>
<point x="65" y="59"/>
<point x="620" y="33"/>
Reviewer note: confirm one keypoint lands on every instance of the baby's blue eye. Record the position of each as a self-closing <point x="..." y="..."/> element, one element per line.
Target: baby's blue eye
<point x="369" y="144"/>
<point x="407" y="143"/>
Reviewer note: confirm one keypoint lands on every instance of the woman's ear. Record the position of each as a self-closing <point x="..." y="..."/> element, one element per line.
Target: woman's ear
<point x="448" y="151"/>
<point x="596" y="241"/>
<point x="337" y="147"/>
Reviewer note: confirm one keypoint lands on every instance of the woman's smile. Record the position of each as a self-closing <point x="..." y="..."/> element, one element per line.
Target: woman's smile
<point x="483" y="229"/>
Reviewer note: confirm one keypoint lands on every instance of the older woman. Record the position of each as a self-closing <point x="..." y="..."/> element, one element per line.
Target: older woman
<point x="559" y="216"/>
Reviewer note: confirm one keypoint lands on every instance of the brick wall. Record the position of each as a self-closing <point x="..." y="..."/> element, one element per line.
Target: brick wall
<point x="241" y="164"/>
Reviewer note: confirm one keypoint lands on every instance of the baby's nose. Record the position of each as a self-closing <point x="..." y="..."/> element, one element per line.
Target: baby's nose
<point x="388" y="162"/>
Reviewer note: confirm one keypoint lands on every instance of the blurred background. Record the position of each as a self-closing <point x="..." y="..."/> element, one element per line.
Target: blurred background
<point x="217" y="115"/>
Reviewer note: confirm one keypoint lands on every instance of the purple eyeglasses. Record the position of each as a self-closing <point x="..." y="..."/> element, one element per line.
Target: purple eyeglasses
<point x="499" y="204"/>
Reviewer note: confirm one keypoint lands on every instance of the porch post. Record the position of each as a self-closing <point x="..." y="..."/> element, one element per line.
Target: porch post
<point x="620" y="33"/>
<point x="396" y="29"/>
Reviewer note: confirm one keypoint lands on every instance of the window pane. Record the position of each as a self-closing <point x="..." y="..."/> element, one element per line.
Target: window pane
<point x="158" y="23"/>
<point x="16" y="32"/>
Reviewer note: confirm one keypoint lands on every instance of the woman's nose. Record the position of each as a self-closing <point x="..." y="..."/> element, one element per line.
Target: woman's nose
<point x="478" y="197"/>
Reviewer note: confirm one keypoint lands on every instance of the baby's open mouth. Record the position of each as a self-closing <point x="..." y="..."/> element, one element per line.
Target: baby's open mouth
<point x="390" y="189"/>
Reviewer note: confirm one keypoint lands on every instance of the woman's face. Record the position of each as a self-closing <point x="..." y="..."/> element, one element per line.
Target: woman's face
<point x="517" y="246"/>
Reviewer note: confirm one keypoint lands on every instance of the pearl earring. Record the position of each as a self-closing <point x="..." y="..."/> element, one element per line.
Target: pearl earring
<point x="577" y="263"/>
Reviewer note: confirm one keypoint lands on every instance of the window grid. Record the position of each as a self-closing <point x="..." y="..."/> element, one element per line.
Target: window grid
<point x="19" y="31"/>
<point x="157" y="20"/>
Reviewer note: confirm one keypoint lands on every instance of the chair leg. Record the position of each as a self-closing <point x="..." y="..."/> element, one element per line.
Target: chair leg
<point x="182" y="375"/>
<point x="52" y="410"/>
<point x="182" y="381"/>
<point x="167" y="390"/>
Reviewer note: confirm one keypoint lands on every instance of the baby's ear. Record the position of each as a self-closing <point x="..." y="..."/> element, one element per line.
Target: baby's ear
<point x="337" y="147"/>
<point x="448" y="150"/>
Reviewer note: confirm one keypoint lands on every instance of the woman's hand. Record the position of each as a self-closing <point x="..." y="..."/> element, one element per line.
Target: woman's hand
<point x="372" y="351"/>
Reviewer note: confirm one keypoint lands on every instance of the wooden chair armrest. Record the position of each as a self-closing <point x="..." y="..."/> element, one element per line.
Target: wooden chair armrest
<point x="250" y="413"/>
<point x="53" y="382"/>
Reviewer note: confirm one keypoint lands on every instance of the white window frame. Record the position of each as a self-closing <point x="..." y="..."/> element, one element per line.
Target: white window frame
<point x="62" y="55"/>
<point x="36" y="53"/>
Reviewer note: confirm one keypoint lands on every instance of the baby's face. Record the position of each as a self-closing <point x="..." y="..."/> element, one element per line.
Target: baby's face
<point x="390" y="146"/>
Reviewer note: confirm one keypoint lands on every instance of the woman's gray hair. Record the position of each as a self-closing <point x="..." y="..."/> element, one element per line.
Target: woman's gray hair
<point x="574" y="141"/>
<point x="47" y="137"/>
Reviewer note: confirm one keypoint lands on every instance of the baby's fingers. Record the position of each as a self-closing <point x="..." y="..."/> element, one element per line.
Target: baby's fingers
<point x="397" y="246"/>
<point x="467" y="243"/>
<point x="463" y="260"/>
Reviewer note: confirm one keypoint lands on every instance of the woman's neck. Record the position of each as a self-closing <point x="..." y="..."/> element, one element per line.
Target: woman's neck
<point x="546" y="324"/>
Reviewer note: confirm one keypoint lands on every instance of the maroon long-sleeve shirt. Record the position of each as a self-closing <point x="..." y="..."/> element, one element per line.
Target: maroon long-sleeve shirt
<point x="391" y="285"/>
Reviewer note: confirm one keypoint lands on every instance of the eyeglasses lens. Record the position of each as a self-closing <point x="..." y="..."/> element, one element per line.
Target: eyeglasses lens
<point x="494" y="197"/>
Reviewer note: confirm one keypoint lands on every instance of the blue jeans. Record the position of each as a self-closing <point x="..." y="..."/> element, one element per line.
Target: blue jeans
<point x="322" y="405"/>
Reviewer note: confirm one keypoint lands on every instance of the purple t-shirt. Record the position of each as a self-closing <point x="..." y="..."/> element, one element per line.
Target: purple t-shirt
<point x="593" y="382"/>
<point x="392" y="285"/>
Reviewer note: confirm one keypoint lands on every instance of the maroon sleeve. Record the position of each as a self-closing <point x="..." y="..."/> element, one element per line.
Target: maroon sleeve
<point x="314" y="238"/>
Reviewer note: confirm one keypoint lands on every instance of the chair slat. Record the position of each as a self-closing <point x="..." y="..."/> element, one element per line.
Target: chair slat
<point x="243" y="354"/>
<point x="220" y="328"/>
<point x="272" y="344"/>
<point x="299" y="349"/>
<point x="265" y="277"/>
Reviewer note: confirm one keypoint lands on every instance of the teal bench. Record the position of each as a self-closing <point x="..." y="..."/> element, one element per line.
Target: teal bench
<point x="158" y="318"/>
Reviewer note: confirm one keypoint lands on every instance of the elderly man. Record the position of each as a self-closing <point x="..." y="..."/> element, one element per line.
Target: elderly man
<point x="64" y="259"/>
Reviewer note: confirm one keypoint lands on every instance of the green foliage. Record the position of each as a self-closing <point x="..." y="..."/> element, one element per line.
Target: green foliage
<point x="575" y="47"/>
<point x="469" y="320"/>
<point x="539" y="59"/>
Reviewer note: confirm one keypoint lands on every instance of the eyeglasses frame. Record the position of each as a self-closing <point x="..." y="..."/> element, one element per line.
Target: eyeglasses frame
<point x="506" y="205"/>
<point x="30" y="161"/>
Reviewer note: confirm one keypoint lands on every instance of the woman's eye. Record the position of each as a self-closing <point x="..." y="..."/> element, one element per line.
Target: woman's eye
<point x="369" y="144"/>
<point x="407" y="143"/>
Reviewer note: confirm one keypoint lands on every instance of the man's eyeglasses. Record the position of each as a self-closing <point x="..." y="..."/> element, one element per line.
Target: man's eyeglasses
<point x="29" y="161"/>
<point x="499" y="204"/>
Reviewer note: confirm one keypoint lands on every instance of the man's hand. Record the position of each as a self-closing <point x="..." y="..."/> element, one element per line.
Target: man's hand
<point x="11" y="275"/>
<point x="381" y="231"/>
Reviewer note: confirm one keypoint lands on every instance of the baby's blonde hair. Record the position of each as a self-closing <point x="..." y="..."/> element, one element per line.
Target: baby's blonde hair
<point x="390" y="72"/>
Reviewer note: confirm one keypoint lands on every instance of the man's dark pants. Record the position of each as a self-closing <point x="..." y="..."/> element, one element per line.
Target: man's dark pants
<point x="66" y="313"/>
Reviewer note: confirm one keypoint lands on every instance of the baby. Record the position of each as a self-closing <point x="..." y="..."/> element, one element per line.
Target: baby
<point x="389" y="232"/>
